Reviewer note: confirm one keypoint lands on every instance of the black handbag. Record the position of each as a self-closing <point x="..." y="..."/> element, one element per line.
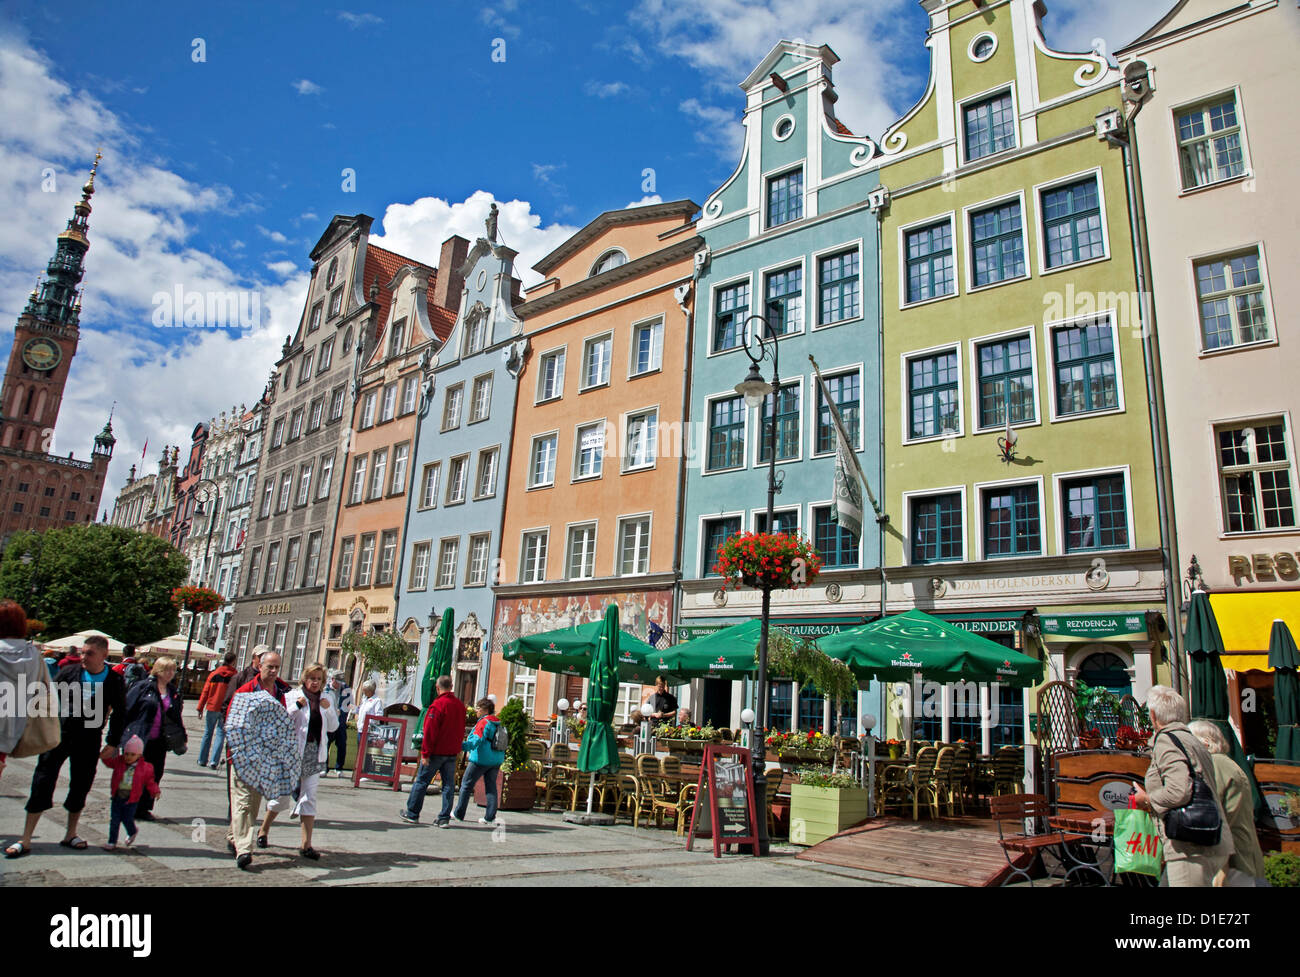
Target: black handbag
<point x="1198" y="820"/>
<point x="173" y="731"/>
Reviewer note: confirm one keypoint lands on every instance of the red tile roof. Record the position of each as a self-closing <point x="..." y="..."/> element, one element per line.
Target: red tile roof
<point x="384" y="264"/>
<point x="839" y="126"/>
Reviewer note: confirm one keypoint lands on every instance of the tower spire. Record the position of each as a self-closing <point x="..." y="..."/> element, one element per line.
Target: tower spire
<point x="55" y="299"/>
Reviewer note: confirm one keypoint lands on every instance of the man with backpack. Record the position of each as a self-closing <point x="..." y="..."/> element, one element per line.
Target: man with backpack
<point x="486" y="747"/>
<point x="444" y="728"/>
<point x="212" y="706"/>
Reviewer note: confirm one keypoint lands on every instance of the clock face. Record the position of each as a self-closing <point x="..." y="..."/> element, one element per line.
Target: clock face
<point x="41" y="353"/>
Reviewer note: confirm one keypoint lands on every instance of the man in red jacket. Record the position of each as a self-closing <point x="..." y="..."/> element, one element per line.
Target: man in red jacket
<point x="212" y="704"/>
<point x="444" y="731"/>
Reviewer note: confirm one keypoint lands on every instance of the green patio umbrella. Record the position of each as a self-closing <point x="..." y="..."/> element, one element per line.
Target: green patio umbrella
<point x="599" y="748"/>
<point x="439" y="665"/>
<point x="569" y="651"/>
<point x="718" y="655"/>
<point x="1209" y="686"/>
<point x="1284" y="659"/>
<point x="915" y="643"/>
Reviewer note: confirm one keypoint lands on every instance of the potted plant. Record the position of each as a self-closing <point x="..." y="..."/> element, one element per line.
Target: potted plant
<point x="1090" y="739"/>
<point x="685" y="739"/>
<point x="1128" y="738"/>
<point x="895" y="748"/>
<point x="824" y="804"/>
<point x="773" y="561"/>
<point x="517" y="783"/>
<point x="807" y="745"/>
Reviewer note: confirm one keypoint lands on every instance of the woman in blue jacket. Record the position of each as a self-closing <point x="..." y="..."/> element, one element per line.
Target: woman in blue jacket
<point x="484" y="761"/>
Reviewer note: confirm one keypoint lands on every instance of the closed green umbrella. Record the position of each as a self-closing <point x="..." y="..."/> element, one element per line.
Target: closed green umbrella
<point x="1284" y="659"/>
<point x="915" y="643"/>
<point x="439" y="665"/>
<point x="1204" y="646"/>
<point x="599" y="748"/>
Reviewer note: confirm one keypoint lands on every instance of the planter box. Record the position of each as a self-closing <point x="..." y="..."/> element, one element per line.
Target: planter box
<point x="517" y="790"/>
<point x="817" y="813"/>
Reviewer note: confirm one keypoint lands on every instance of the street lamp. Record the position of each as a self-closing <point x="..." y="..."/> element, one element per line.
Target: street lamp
<point x="758" y="347"/>
<point x="212" y="522"/>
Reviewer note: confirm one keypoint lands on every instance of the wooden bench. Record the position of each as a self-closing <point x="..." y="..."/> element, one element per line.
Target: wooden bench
<point x="1016" y="809"/>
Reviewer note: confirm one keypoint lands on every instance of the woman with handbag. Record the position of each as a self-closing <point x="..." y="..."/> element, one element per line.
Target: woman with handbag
<point x="21" y="668"/>
<point x="153" y="713"/>
<point x="1182" y="793"/>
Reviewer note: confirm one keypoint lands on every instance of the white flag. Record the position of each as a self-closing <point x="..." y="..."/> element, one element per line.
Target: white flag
<point x="848" y="490"/>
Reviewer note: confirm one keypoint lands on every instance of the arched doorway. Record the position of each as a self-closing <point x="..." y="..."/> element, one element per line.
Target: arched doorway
<point x="1104" y="669"/>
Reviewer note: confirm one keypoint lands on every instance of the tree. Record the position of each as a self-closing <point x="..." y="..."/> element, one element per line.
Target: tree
<point x="385" y="652"/>
<point x="110" y="578"/>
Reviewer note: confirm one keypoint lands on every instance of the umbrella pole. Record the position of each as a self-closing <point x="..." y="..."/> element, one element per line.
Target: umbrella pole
<point x="591" y="789"/>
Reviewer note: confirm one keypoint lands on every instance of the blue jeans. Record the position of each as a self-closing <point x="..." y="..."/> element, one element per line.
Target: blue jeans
<point x="212" y="720"/>
<point x="445" y="766"/>
<point x="472" y="773"/>
<point x="121" y="813"/>
<point x="340" y="740"/>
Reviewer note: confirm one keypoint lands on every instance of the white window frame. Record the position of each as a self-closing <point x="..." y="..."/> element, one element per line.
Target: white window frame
<point x="425" y="545"/>
<point x="434" y="468"/>
<point x="1221" y="253"/>
<point x="368" y="405"/>
<point x="969" y="255"/>
<point x="410" y="396"/>
<point x="977" y="532"/>
<point x="574" y="476"/>
<point x="569" y="529"/>
<point x="973" y="346"/>
<point x="305" y="472"/>
<point x="470" y="577"/>
<point x="481" y="382"/>
<point x="532" y="459"/>
<point x="451" y="481"/>
<point x="765" y="181"/>
<point x="388" y="406"/>
<point x="625" y="455"/>
<point x="623" y="522"/>
<point x="446" y="544"/>
<point x="905" y="381"/>
<point x="1050" y="348"/>
<point x="360" y="471"/>
<point x="545" y="533"/>
<point x="1058" y="507"/>
<point x="588" y="344"/>
<point x="1248" y="170"/>
<point x="922" y="494"/>
<point x="325" y="476"/>
<point x="815" y="265"/>
<point x="562" y="353"/>
<point x="656" y="325"/>
<point x="829" y="374"/>
<point x="494" y="453"/>
<point x="779" y="510"/>
<point x="1041" y="188"/>
<point x="458" y="390"/>
<point x="326" y="355"/>
<point x="711" y="319"/>
<point x="378" y="474"/>
<point x="802" y="263"/>
<point x="394" y="487"/>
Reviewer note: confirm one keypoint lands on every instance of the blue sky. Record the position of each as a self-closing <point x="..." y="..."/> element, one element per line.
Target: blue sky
<point x="222" y="173"/>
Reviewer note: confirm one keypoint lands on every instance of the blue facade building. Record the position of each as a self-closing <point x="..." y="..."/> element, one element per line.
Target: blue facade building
<point x="452" y="541"/>
<point x="790" y="237"/>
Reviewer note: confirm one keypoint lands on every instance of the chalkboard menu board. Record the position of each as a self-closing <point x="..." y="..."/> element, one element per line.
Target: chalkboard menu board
<point x="379" y="747"/>
<point x="724" y="808"/>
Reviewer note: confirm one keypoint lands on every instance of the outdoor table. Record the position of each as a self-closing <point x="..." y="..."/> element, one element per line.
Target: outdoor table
<point x="1087" y="824"/>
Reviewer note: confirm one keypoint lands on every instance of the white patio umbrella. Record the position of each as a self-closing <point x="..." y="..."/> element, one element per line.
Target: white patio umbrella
<point x="79" y="639"/>
<point x="175" y="645"/>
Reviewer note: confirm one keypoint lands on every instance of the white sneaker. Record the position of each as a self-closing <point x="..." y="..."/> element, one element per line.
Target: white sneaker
<point x="485" y="821"/>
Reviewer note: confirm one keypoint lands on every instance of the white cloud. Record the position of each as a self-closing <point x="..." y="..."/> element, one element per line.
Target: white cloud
<point x="605" y="89"/>
<point x="418" y="229"/>
<point x="719" y="128"/>
<point x="1100" y="25"/>
<point x="275" y="236"/>
<point x="282" y="268"/>
<point x="142" y="244"/>
<point x="305" y="87"/>
<point x="646" y="201"/>
<point x="360" y="20"/>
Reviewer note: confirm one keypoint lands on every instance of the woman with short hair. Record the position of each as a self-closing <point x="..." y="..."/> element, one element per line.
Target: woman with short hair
<point x="1175" y="754"/>
<point x="21" y="665"/>
<point x="314" y="717"/>
<point x="150" y="704"/>
<point x="1247" y="862"/>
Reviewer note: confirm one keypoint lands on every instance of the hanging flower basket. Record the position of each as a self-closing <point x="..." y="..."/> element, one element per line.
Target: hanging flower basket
<point x="197" y="600"/>
<point x="775" y="561"/>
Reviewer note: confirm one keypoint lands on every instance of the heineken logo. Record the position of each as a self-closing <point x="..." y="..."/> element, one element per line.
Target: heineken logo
<point x="551" y="649"/>
<point x="907" y="661"/>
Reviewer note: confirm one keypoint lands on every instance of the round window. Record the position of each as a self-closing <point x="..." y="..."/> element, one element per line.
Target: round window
<point x="982" y="48"/>
<point x="482" y="279"/>
<point x="783" y="129"/>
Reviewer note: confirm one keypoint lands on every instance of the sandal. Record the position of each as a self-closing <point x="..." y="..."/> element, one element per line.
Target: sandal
<point x="17" y="850"/>
<point x="309" y="852"/>
<point x="75" y="842"/>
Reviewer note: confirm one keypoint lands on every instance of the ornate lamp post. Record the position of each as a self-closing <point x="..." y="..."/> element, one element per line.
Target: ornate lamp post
<point x="755" y="390"/>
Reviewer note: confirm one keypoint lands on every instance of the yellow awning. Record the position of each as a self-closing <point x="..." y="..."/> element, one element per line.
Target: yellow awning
<point x="1245" y="621"/>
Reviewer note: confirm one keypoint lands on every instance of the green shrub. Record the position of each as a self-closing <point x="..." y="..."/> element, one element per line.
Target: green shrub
<point x="516" y="722"/>
<point x="1282" y="869"/>
<point x="830" y="781"/>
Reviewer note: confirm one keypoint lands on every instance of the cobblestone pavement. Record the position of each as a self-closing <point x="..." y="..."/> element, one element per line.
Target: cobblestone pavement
<point x="362" y="842"/>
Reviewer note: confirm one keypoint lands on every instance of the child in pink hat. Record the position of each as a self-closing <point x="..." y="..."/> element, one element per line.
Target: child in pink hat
<point x="132" y="776"/>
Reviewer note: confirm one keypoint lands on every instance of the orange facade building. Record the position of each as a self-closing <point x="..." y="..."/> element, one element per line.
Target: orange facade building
<point x="592" y="508"/>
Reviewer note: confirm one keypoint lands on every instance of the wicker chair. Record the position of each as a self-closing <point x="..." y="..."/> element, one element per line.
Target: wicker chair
<point x="614" y="782"/>
<point x="1009" y="771"/>
<point x="562" y="777"/>
<point x="959" y="778"/>
<point x="921" y="783"/>
<point x="943" y="786"/>
<point x="639" y="795"/>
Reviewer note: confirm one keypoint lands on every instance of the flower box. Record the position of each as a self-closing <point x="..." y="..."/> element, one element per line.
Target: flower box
<point x="516" y="790"/>
<point x="817" y="813"/>
<point x="807" y="756"/>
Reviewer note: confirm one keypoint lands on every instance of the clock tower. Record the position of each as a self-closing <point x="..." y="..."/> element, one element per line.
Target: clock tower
<point x="39" y="490"/>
